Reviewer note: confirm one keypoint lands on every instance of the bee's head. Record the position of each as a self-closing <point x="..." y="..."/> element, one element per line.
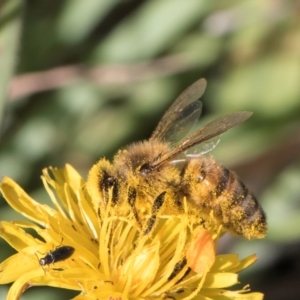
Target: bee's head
<point x="140" y="158"/>
<point x="139" y="163"/>
<point x="101" y="179"/>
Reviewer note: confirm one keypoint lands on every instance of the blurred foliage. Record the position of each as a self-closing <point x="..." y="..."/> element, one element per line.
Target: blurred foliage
<point x="10" y="25"/>
<point x="95" y="75"/>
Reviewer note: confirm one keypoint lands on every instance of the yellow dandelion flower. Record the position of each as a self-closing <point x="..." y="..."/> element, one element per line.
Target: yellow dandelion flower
<point x="100" y="251"/>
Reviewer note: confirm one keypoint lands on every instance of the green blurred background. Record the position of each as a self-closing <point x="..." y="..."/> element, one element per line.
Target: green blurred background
<point x="87" y="77"/>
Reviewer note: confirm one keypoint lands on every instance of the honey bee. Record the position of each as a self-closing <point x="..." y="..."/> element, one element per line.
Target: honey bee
<point x="171" y="166"/>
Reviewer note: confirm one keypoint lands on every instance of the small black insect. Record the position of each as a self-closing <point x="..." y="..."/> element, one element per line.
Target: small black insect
<point x="59" y="254"/>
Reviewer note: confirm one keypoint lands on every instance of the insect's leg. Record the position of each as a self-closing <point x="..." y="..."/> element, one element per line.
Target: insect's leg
<point x="131" y="202"/>
<point x="158" y="202"/>
<point x="39" y="261"/>
<point x="60" y="243"/>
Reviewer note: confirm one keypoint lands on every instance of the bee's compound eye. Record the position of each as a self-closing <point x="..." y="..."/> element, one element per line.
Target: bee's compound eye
<point x="42" y="262"/>
<point x="202" y="175"/>
<point x="200" y="178"/>
<point x="145" y="169"/>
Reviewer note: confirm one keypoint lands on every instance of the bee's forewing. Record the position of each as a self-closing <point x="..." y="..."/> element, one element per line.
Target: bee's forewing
<point x="182" y="115"/>
<point x="207" y="132"/>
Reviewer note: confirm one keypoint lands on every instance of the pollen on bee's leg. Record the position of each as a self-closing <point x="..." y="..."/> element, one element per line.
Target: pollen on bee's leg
<point x="131" y="202"/>
<point x="150" y="224"/>
<point x="159" y="201"/>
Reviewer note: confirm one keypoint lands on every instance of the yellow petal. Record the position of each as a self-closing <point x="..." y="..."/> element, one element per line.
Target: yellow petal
<point x="238" y="296"/>
<point x="139" y="270"/>
<point x="107" y="291"/>
<point x="88" y="215"/>
<point x="66" y="183"/>
<point x="220" y="280"/>
<point x="16" y="236"/>
<point x="22" y="203"/>
<point x="34" y="278"/>
<point x="221" y="294"/>
<point x="67" y="174"/>
<point x="225" y="263"/>
<point x="20" y="286"/>
<point x="14" y="267"/>
<point x="245" y="263"/>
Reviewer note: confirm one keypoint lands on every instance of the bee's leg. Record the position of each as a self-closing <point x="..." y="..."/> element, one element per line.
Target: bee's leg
<point x="131" y="201"/>
<point x="158" y="202"/>
<point x="178" y="267"/>
<point x="115" y="194"/>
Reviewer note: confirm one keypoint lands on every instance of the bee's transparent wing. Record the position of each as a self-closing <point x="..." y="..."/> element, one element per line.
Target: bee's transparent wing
<point x="202" y="148"/>
<point x="206" y="133"/>
<point x="182" y="115"/>
<point x="196" y="151"/>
